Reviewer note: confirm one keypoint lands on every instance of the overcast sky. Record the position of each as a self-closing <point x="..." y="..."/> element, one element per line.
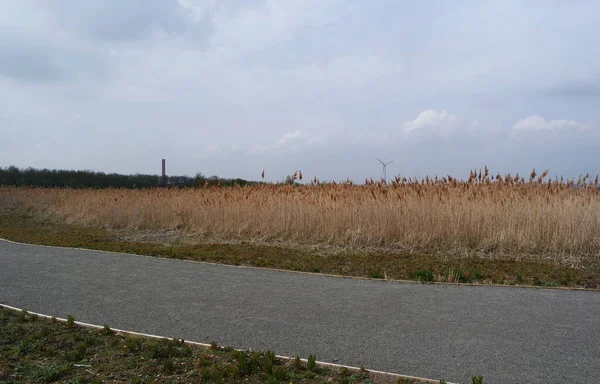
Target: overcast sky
<point x="232" y="87"/>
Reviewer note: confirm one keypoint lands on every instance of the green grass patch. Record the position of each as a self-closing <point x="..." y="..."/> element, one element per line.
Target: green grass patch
<point x="101" y="357"/>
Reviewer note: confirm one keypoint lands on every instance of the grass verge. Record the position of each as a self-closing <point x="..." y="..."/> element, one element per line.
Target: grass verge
<point x="41" y="350"/>
<point x="28" y="228"/>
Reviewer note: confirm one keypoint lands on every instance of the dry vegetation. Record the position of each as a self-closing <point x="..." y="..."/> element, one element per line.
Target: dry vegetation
<point x="486" y="215"/>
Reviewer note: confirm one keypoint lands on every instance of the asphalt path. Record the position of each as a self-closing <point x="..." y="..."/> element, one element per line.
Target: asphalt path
<point x="450" y="332"/>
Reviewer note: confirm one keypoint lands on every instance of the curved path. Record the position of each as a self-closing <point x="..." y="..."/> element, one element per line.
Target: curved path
<point x="508" y="335"/>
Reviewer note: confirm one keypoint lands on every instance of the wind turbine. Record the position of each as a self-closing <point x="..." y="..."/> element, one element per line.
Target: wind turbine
<point x="384" y="174"/>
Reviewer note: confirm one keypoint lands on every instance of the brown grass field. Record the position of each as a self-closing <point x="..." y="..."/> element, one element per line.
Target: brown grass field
<point x="498" y="216"/>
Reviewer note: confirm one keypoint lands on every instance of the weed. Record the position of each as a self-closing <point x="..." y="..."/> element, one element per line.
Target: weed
<point x="77" y="354"/>
<point x="242" y="362"/>
<point x="268" y="361"/>
<point x="106" y="330"/>
<point x="133" y="344"/>
<point x="49" y="373"/>
<point x="457" y="276"/>
<point x="297" y="363"/>
<point x="477" y="379"/>
<point x="214" y="346"/>
<point x="168" y="366"/>
<point x="70" y="320"/>
<point x="279" y="374"/>
<point x="23" y="315"/>
<point x="519" y="278"/>
<point x="425" y="276"/>
<point x="311" y="365"/>
<point x="205" y="374"/>
<point x="375" y="275"/>
<point x="344" y="372"/>
<point x="163" y="349"/>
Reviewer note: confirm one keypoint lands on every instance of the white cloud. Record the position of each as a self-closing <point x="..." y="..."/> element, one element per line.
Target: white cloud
<point x="296" y="139"/>
<point x="432" y="121"/>
<point x="297" y="136"/>
<point x="535" y="123"/>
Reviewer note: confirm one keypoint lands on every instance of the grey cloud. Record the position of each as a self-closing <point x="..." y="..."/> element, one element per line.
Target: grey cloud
<point x="34" y="59"/>
<point x="117" y="20"/>
<point x="289" y="72"/>
<point x="577" y="89"/>
<point x="27" y="63"/>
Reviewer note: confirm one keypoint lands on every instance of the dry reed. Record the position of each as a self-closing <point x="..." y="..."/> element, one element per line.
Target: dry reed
<point x="494" y="215"/>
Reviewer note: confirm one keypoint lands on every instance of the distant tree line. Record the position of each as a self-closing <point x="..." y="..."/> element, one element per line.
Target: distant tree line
<point x="50" y="178"/>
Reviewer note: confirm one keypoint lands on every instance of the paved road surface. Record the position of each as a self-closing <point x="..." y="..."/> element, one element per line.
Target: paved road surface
<point x="508" y="335"/>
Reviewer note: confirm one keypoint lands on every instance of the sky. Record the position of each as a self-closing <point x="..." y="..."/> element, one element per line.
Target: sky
<point x="235" y="87"/>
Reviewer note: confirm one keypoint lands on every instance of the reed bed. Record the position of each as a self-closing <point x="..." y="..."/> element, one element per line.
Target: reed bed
<point x="501" y="215"/>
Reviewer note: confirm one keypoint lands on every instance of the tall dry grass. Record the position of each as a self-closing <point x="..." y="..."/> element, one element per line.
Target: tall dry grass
<point x="498" y="215"/>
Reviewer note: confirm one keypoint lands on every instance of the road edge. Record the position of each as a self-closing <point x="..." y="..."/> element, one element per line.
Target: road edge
<point x="312" y="273"/>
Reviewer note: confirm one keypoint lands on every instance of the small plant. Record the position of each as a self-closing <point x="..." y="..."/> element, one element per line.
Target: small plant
<point x="70" y="320"/>
<point x="425" y="275"/>
<point x="255" y="359"/>
<point x="344" y="372"/>
<point x="54" y="319"/>
<point x="279" y="374"/>
<point x="106" y="330"/>
<point x="218" y="373"/>
<point x="457" y="276"/>
<point x="77" y="354"/>
<point x="214" y="346"/>
<point x="477" y="379"/>
<point x="443" y="382"/>
<point x="133" y="344"/>
<point x="162" y="349"/>
<point x="268" y="362"/>
<point x="169" y="366"/>
<point x="50" y="373"/>
<point x="297" y="363"/>
<point x="375" y="275"/>
<point x="205" y="374"/>
<point x="23" y="315"/>
<point x="242" y="363"/>
<point x="312" y="363"/>
<point x="519" y="278"/>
